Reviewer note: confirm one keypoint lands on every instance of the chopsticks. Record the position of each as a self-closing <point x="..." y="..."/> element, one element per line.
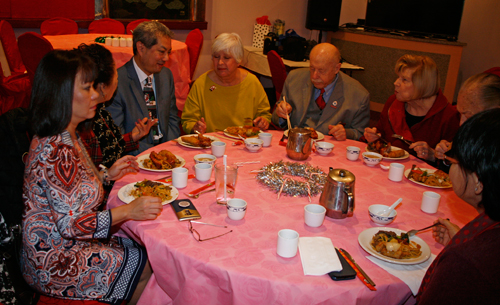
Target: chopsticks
<point x="359" y="272"/>
<point x="287" y="117"/>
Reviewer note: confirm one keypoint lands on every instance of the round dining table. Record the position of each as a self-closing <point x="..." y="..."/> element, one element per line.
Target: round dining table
<point x="178" y="61"/>
<point x="242" y="267"/>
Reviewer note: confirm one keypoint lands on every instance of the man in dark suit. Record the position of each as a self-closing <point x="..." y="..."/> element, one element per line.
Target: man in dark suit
<point x="324" y="98"/>
<point x="146" y="87"/>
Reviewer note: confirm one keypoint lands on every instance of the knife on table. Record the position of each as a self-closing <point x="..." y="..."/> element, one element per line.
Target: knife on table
<point x="357" y="268"/>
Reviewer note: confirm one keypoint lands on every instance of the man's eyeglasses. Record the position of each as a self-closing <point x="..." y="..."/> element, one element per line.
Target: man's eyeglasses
<point x="197" y="235"/>
<point x="448" y="161"/>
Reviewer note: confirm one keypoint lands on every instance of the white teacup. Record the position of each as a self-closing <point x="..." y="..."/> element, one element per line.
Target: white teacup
<point x="266" y="137"/>
<point x="288" y="242"/>
<point x="236" y="208"/>
<point x="314" y="214"/>
<point x="218" y="148"/>
<point x="203" y="171"/>
<point x="179" y="177"/>
<point x="353" y="153"/>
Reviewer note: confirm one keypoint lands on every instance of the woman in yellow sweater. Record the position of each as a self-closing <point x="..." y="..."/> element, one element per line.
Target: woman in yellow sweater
<point x="226" y="95"/>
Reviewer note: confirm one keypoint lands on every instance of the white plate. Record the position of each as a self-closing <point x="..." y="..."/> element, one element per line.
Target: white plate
<point x="406" y="155"/>
<point x="185" y="144"/>
<point x="320" y="135"/>
<point x="146" y="156"/>
<point x="124" y="193"/>
<point x="227" y="134"/>
<point x="430" y="172"/>
<point x="365" y="239"/>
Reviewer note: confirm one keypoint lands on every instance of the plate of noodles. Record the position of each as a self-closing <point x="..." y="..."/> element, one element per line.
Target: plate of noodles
<point x="166" y="192"/>
<point x="417" y="251"/>
<point x="164" y="161"/>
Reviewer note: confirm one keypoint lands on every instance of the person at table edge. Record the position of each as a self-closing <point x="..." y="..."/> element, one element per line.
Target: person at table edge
<point x="346" y="109"/>
<point x="478" y="93"/>
<point x="225" y="96"/>
<point x="152" y="45"/>
<point x="466" y="270"/>
<point x="417" y="110"/>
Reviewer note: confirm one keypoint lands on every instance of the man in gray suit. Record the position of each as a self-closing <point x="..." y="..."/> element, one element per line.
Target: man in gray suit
<point x="324" y="98"/>
<point x="146" y="87"/>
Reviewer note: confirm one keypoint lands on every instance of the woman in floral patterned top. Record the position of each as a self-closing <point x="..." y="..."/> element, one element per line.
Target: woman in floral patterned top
<point x="67" y="251"/>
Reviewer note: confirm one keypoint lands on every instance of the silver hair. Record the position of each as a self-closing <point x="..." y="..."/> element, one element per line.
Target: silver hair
<point x="230" y="43"/>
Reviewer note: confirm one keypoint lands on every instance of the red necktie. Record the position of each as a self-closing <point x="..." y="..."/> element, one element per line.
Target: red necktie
<point x="320" y="101"/>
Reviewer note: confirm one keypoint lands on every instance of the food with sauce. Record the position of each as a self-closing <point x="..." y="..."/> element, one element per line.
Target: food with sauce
<point x="151" y="188"/>
<point x="198" y="141"/>
<point x="314" y="134"/>
<point x="396" y="246"/>
<point x="437" y="178"/>
<point x="161" y="160"/>
<point x="385" y="149"/>
<point x="245" y="131"/>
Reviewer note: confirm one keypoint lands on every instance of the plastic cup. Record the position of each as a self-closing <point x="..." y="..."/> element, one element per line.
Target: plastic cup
<point x="225" y="192"/>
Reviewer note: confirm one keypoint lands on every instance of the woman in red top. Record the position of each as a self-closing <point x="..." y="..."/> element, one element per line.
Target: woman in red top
<point x="417" y="110"/>
<point x="466" y="271"/>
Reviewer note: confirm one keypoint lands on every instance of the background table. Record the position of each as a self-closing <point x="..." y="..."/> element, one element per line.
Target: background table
<point x="178" y="61"/>
<point x="242" y="267"/>
<point x="255" y="60"/>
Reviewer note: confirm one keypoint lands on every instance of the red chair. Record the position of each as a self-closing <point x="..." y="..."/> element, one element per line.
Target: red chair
<point x="106" y="26"/>
<point x="278" y="72"/>
<point x="33" y="48"/>
<point x="9" y="42"/>
<point x="132" y="25"/>
<point x="59" y="26"/>
<point x="194" y="42"/>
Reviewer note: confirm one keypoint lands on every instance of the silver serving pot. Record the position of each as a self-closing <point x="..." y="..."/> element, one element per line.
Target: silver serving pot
<point x="299" y="143"/>
<point x="338" y="194"/>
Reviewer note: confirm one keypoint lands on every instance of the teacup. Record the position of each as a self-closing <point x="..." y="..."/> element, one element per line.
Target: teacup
<point x="236" y="208"/>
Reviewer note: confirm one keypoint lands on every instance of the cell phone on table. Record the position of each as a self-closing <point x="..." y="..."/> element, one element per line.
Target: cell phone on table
<point x="185" y="210"/>
<point x="347" y="272"/>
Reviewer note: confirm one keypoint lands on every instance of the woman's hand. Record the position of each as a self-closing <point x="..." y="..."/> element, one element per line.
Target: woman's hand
<point x="260" y="122"/>
<point x="283" y="109"/>
<point x="123" y="166"/>
<point x="337" y="131"/>
<point x="200" y="126"/>
<point x="145" y="208"/>
<point x="441" y="148"/>
<point x="423" y="150"/>
<point x="142" y="128"/>
<point x="371" y="134"/>
<point x="445" y="232"/>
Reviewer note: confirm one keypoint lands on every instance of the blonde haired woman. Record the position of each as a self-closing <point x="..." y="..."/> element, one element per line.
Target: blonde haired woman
<point x="417" y="110"/>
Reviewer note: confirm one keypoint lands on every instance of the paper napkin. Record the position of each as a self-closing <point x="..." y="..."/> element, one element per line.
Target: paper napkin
<point x="412" y="275"/>
<point x="318" y="256"/>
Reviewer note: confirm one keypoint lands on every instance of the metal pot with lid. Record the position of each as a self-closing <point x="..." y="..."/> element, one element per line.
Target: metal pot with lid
<point x="338" y="193"/>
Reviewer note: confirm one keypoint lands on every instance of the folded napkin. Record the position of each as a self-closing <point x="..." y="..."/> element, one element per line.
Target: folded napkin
<point x="318" y="256"/>
<point x="412" y="275"/>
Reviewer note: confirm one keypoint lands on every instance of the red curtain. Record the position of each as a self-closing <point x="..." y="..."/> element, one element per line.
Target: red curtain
<point x="36" y="9"/>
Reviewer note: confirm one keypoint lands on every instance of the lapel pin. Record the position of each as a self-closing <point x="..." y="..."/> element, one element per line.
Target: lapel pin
<point x="212" y="88"/>
<point x="334" y="104"/>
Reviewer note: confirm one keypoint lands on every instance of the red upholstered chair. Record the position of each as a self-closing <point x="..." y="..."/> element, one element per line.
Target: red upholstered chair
<point x="59" y="26"/>
<point x="278" y="72"/>
<point x="33" y="48"/>
<point x="133" y="24"/>
<point x="15" y="86"/>
<point x="106" y="26"/>
<point x="194" y="41"/>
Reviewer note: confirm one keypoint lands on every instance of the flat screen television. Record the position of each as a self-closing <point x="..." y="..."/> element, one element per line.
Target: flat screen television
<point x="420" y="18"/>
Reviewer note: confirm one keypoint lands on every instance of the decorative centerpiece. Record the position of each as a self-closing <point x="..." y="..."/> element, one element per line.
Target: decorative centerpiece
<point x="293" y="179"/>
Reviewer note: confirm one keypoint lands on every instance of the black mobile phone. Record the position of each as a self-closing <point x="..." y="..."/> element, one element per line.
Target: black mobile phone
<point x="347" y="272"/>
<point x="185" y="210"/>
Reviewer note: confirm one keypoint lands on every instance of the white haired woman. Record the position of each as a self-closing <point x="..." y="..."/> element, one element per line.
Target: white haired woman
<point x="226" y="95"/>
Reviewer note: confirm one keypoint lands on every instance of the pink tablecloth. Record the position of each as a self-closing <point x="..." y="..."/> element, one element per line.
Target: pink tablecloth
<point x="178" y="60"/>
<point x="243" y="267"/>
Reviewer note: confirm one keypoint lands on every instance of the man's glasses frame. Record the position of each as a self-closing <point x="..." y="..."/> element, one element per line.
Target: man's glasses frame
<point x="448" y="161"/>
<point x="196" y="234"/>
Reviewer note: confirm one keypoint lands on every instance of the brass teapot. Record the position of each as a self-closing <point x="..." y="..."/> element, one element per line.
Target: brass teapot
<point x="299" y="144"/>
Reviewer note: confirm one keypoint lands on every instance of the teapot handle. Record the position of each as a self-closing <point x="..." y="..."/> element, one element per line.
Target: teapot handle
<point x="350" y="201"/>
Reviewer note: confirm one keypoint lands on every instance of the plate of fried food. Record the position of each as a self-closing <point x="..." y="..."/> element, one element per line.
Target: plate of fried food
<point x="162" y="161"/>
<point x="196" y="141"/>
<point x="243" y="131"/>
<point x="315" y="135"/>
<point x="390" y="245"/>
<point x="134" y="190"/>
<point x="387" y="151"/>
<point x="428" y="177"/>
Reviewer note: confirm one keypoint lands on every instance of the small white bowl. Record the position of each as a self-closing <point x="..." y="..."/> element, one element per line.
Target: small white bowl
<point x="371" y="158"/>
<point x="381" y="220"/>
<point x="324" y="148"/>
<point x="253" y="144"/>
<point x="205" y="158"/>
